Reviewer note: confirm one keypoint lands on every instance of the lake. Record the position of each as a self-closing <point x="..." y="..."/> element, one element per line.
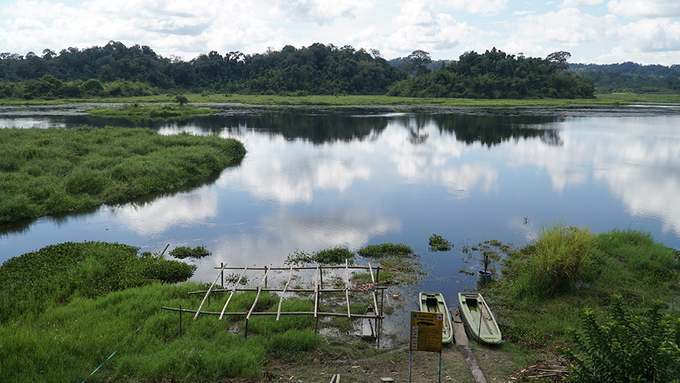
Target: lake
<point x="315" y="178"/>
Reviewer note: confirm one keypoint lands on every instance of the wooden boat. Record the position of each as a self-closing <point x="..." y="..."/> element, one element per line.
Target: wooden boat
<point x="478" y="318"/>
<point x="368" y="325"/>
<point x="435" y="303"/>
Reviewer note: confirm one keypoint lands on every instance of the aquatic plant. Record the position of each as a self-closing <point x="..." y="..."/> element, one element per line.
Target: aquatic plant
<point x="439" y="243"/>
<point x="182" y="252"/>
<point x="385" y="250"/>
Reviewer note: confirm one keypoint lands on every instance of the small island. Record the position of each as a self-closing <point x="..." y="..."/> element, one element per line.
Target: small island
<point x="134" y="110"/>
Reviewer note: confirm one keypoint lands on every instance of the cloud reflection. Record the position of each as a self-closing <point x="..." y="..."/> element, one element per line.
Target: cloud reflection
<point x="181" y="209"/>
<point x="640" y="163"/>
<point x="286" y="232"/>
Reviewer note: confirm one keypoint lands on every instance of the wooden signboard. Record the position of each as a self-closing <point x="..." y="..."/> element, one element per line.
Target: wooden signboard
<point x="426" y="331"/>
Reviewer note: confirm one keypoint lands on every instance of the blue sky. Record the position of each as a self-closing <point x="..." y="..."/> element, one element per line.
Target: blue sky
<point x="593" y="31"/>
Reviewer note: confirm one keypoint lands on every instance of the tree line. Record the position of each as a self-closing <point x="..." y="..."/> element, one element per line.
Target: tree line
<point x="496" y="74"/>
<point x="630" y="77"/>
<point x="117" y="70"/>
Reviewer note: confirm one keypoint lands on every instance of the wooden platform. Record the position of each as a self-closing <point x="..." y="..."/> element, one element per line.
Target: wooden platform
<point x="461" y="339"/>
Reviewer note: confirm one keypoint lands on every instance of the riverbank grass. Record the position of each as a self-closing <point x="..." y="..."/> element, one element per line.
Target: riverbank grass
<point x="575" y="270"/>
<point x="135" y="110"/>
<point x="52" y="171"/>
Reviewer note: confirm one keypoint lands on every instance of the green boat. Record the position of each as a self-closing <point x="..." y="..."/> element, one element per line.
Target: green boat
<point x="478" y="318"/>
<point x="435" y="303"/>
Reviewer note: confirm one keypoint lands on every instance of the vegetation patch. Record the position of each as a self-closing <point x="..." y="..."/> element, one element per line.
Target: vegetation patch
<point x="331" y="256"/>
<point x="439" y="243"/>
<point x="536" y="319"/>
<point x="50" y="171"/>
<point x="182" y="252"/>
<point x="58" y="274"/>
<point x="385" y="250"/>
<point x="628" y="348"/>
<point x="151" y="111"/>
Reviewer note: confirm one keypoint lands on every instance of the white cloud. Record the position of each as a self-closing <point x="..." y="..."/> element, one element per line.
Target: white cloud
<point x="579" y="3"/>
<point x="419" y="27"/>
<point x="645" y="8"/>
<point x="482" y="7"/>
<point x="568" y="26"/>
<point x="320" y="11"/>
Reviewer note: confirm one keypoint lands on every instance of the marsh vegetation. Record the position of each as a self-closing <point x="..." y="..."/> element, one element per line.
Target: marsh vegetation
<point x="50" y="171"/>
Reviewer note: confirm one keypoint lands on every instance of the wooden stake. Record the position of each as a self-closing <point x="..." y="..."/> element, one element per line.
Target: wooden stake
<point x="278" y="313"/>
<point x="207" y="295"/>
<point x="232" y="291"/>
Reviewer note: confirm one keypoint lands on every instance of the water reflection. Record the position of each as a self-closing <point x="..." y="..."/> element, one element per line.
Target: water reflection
<point x="314" y="179"/>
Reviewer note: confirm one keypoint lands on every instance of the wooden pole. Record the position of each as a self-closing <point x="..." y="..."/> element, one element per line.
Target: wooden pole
<point x="180" y="321"/>
<point x="278" y="313"/>
<point x="207" y="295"/>
<point x="232" y="291"/>
<point x="347" y="288"/>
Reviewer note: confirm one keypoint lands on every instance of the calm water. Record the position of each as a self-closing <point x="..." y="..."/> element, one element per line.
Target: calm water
<point x="314" y="179"/>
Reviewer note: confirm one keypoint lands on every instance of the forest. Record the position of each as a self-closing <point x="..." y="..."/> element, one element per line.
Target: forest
<point x="116" y="70"/>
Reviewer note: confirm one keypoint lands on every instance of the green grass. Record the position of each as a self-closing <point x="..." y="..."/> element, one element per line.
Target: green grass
<point x="385" y="250"/>
<point x="628" y="263"/>
<point x="51" y="171"/>
<point x="350" y="100"/>
<point x="554" y="263"/>
<point x="66" y="308"/>
<point x="68" y="343"/>
<point x="150" y="111"/>
<point x="58" y="274"/>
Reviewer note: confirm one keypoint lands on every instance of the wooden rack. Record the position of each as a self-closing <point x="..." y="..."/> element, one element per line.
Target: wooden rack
<point x="318" y="289"/>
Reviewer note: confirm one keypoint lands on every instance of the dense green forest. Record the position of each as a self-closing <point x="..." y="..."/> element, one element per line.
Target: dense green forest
<point x="630" y="77"/>
<point x="117" y="70"/>
<point x="495" y="74"/>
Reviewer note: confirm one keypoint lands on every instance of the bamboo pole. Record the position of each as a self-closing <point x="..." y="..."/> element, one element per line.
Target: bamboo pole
<point x="232" y="291"/>
<point x="297" y="268"/>
<point x="347" y="288"/>
<point x="265" y="313"/>
<point x="375" y="299"/>
<point x="257" y="296"/>
<point x="278" y="314"/>
<point x="207" y="294"/>
<point x="316" y="292"/>
<point x="281" y="290"/>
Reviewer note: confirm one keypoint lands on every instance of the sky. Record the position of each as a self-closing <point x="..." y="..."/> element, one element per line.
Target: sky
<point x="593" y="31"/>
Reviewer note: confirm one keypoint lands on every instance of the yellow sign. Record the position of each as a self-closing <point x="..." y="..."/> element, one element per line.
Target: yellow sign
<point x="426" y="331"/>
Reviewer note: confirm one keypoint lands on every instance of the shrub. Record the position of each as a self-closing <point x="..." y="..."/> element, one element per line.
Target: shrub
<point x="555" y="262"/>
<point x="627" y="349"/>
<point x="385" y="250"/>
<point x="182" y="252"/>
<point x="334" y="256"/>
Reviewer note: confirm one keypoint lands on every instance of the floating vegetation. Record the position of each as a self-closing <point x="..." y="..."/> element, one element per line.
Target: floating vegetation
<point x="332" y="256"/>
<point x="487" y="253"/>
<point x="385" y="250"/>
<point x="439" y="243"/>
<point x="182" y="252"/>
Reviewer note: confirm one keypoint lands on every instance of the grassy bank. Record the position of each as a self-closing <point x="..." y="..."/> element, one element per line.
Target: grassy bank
<point x="50" y="171"/>
<point x="102" y="298"/>
<point x="614" y="99"/>
<point x="546" y="285"/>
<point x="150" y="111"/>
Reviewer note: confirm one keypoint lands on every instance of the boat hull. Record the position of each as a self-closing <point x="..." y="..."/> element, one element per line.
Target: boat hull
<point x="478" y="318"/>
<point x="434" y="302"/>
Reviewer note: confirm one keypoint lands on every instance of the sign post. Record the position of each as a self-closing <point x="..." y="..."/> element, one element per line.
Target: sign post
<point x="426" y="335"/>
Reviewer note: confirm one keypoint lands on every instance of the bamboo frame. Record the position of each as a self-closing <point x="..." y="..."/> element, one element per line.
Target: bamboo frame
<point x="318" y="290"/>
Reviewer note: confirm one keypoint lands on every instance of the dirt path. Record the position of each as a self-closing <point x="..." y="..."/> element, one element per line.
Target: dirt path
<point x="394" y="364"/>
